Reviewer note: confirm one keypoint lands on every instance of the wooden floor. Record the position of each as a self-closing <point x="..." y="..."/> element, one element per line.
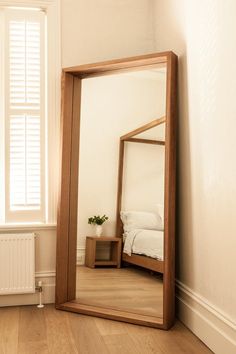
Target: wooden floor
<point x="29" y="330"/>
<point x="128" y="289"/>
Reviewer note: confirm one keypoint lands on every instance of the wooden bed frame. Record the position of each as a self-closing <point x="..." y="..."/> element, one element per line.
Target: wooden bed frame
<point x="142" y="261"/>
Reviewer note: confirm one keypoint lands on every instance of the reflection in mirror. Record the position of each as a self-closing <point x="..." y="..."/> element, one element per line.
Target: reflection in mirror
<point x="124" y="114"/>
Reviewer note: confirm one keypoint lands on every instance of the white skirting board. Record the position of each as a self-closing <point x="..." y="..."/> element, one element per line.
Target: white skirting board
<point x="48" y="296"/>
<point x="80" y="255"/>
<point x="208" y="323"/>
<point x="102" y="253"/>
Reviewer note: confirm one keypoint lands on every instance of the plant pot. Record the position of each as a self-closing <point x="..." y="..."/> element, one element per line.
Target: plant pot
<point x="98" y="230"/>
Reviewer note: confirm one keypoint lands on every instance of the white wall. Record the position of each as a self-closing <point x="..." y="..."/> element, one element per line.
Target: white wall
<point x="113" y="106"/>
<point x="203" y="34"/>
<point x="96" y="30"/>
<point x="143" y="183"/>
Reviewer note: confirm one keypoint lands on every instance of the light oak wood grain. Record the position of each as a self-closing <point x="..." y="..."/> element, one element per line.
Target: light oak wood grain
<point x="145" y="262"/>
<point x="119" y="65"/>
<point x="91" y="247"/>
<point x="119" y="225"/>
<point x="63" y="216"/>
<point x="86" y="335"/>
<point x="75" y="138"/>
<point x="127" y="289"/>
<point x="122" y="343"/>
<point x="170" y="188"/>
<point x="9" y="328"/>
<point x="32" y="331"/>
<point x="57" y="332"/>
<point x="144" y="128"/>
<point x="145" y="141"/>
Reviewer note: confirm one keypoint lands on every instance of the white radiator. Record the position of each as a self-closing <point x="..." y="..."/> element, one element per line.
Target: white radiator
<point x="17" y="263"/>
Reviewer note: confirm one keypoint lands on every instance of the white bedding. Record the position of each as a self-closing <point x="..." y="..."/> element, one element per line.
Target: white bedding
<point x="144" y="242"/>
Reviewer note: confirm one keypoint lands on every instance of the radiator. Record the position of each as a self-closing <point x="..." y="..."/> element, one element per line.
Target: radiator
<point x="17" y="263"/>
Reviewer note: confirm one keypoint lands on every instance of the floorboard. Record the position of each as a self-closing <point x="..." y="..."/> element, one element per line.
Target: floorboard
<point x="28" y="329"/>
<point x="128" y="289"/>
<point x="9" y="327"/>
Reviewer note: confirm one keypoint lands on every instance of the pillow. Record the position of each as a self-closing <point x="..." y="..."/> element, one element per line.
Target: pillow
<point x="140" y="220"/>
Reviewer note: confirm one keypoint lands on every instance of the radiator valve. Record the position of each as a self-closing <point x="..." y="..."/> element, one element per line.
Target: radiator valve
<point x="39" y="288"/>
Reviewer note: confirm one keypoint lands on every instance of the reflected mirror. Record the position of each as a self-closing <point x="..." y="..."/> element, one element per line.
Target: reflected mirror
<point x="121" y="175"/>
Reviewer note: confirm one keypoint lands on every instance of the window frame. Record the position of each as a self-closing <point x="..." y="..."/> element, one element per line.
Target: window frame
<point x="21" y="214"/>
<point x="52" y="121"/>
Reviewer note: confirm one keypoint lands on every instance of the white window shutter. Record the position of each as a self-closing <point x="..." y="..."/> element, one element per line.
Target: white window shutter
<point x="25" y="115"/>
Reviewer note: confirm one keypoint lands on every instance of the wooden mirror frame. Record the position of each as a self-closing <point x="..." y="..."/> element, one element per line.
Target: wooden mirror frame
<point x="68" y="196"/>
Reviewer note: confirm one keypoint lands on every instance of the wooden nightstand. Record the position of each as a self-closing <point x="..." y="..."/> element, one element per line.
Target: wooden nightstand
<point x="115" y="251"/>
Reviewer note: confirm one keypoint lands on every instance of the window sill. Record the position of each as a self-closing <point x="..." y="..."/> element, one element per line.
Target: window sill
<point x="18" y="227"/>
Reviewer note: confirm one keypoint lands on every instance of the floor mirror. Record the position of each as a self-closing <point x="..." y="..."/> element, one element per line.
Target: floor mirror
<point x="116" y="215"/>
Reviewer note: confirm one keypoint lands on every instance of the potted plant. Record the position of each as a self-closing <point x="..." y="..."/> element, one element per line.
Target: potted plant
<point x="98" y="221"/>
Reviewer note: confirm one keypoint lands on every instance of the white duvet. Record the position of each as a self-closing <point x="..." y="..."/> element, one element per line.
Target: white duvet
<point x="144" y="242"/>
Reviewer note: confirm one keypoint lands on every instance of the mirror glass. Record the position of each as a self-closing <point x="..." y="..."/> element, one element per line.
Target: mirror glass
<point x="122" y="130"/>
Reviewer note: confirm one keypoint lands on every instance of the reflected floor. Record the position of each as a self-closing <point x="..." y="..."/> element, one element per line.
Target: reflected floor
<point x="128" y="289"/>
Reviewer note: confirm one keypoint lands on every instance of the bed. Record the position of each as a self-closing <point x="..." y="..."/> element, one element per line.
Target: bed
<point x="144" y="248"/>
<point x="138" y="224"/>
<point x="143" y="240"/>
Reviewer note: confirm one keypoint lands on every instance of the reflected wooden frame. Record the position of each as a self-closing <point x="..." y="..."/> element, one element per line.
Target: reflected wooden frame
<point x="68" y="196"/>
<point x="135" y="259"/>
<point x="129" y="137"/>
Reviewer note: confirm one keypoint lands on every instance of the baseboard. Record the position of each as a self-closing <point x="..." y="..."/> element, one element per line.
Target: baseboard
<point x="45" y="274"/>
<point x="80" y="255"/>
<point x="48" y="295"/>
<point x="206" y="321"/>
<point x="102" y="253"/>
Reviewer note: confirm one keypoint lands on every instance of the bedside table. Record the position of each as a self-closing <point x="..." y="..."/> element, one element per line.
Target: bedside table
<point x="115" y="251"/>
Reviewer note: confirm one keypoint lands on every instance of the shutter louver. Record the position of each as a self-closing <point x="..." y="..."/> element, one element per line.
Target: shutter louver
<point x="25" y="111"/>
<point x="24" y="45"/>
<point x="24" y="161"/>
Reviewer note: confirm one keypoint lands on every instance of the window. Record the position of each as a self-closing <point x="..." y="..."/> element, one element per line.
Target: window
<point x="27" y="95"/>
<point x="24" y="115"/>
